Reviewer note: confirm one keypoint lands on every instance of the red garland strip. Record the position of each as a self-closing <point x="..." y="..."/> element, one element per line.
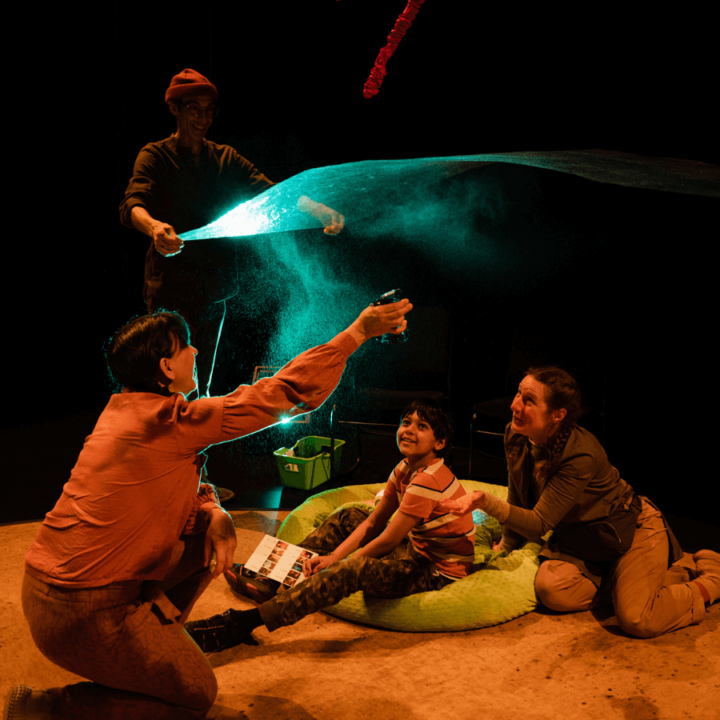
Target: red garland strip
<point x="372" y="86"/>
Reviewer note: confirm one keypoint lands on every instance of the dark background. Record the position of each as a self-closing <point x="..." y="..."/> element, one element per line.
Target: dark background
<point x="621" y="280"/>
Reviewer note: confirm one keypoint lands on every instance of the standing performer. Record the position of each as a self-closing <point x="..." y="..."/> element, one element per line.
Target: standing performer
<point x="559" y="478"/>
<point x="119" y="562"/>
<point x="183" y="183"/>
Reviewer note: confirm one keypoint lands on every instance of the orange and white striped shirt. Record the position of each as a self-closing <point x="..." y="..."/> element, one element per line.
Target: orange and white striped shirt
<point x="446" y="539"/>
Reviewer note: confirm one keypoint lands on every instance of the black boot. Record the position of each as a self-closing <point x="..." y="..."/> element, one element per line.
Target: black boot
<point x="223" y="631"/>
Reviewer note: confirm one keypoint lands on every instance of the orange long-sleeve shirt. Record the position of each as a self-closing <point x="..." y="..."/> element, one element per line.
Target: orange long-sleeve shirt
<point x="135" y="487"/>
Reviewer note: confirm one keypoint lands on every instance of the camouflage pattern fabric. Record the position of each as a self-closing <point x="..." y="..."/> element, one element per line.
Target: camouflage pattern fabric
<point x="401" y="573"/>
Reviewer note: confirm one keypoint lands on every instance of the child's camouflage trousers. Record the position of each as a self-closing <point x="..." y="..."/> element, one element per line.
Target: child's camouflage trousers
<point x="402" y="572"/>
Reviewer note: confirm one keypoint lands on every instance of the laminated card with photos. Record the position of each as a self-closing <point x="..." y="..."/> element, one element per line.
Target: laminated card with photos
<point x="279" y="560"/>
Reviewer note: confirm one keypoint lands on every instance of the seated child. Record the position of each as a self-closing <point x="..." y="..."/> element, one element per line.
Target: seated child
<point x="421" y="549"/>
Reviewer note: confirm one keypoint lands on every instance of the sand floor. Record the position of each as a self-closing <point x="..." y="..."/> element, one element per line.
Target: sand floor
<point x="541" y="666"/>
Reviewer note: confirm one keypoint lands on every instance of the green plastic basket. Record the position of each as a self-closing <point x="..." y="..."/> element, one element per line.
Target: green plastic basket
<point x="307" y="473"/>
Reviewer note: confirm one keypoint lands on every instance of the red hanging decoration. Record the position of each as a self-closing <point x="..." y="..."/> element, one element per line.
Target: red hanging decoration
<point x="372" y="86"/>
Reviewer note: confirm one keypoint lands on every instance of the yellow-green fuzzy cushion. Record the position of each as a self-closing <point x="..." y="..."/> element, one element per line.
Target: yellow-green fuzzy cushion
<point x="500" y="588"/>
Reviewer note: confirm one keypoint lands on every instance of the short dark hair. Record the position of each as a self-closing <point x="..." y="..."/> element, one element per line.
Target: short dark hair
<point x="430" y="410"/>
<point x="133" y="354"/>
<point x="562" y="391"/>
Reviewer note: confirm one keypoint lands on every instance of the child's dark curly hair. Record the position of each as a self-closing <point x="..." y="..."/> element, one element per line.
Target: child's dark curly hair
<point x="440" y="421"/>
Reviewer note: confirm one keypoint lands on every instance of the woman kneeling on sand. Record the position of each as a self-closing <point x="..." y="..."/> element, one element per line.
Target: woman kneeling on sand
<point x="559" y="478"/>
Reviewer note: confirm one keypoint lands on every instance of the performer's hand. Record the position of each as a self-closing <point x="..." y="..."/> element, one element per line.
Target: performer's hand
<point x="220" y="537"/>
<point x="316" y="564"/>
<point x="377" y="320"/>
<point x="167" y="243"/>
<point x="462" y="506"/>
<point x="333" y="221"/>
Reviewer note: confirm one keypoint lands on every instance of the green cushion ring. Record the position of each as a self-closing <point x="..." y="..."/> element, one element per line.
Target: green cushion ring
<point x="501" y="586"/>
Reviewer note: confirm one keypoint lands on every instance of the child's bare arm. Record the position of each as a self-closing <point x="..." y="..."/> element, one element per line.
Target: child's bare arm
<point x="366" y="532"/>
<point x="391" y="537"/>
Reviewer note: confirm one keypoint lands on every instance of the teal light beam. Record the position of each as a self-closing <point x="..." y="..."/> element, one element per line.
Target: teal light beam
<point x="361" y="189"/>
<point x="356" y="190"/>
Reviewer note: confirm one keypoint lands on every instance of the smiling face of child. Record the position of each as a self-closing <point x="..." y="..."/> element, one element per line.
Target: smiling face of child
<point x="417" y="442"/>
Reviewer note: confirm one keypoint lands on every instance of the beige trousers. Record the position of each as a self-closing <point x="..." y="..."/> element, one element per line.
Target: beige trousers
<point x="649" y="598"/>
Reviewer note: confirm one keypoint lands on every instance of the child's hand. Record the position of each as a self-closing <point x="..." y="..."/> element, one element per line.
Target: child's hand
<point x="316" y="564"/>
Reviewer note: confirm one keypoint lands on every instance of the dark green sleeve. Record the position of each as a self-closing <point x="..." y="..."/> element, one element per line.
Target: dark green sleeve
<point x="249" y="175"/>
<point x="142" y="188"/>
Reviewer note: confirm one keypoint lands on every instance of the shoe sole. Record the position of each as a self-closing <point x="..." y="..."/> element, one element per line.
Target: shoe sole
<point x="245" y="587"/>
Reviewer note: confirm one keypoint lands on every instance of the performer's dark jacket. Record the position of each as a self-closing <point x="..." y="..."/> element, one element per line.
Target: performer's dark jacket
<point x="173" y="189"/>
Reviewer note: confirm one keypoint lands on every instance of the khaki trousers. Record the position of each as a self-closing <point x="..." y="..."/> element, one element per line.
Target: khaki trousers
<point x="129" y="640"/>
<point x="649" y="598"/>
